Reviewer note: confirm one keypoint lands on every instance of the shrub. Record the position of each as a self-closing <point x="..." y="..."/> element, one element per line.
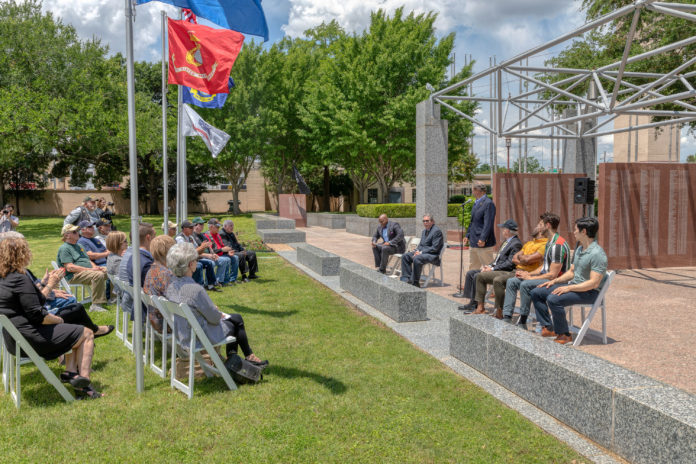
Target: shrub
<point x="457" y="199"/>
<point x="400" y="210"/>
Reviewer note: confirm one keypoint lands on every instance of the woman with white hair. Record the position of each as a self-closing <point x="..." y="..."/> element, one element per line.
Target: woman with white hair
<point x="181" y="260"/>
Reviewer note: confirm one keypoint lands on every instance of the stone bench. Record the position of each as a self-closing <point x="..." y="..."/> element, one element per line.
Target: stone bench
<point x="269" y="221"/>
<point x="281" y="235"/>
<point x="637" y="417"/>
<point x="330" y="221"/>
<point x="365" y="226"/>
<point x="320" y="261"/>
<point x="396" y="299"/>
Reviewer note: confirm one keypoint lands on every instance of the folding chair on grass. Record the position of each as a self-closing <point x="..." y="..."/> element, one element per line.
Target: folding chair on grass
<point x="83" y="293"/>
<point x="151" y="334"/>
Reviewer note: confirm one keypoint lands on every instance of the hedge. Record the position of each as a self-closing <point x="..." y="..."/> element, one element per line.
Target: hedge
<point x="399" y="210"/>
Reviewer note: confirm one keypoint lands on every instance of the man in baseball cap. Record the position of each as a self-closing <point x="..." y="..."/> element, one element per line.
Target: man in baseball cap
<point x="85" y="212"/>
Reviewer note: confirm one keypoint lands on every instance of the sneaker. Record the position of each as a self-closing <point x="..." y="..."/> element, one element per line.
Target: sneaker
<point x="229" y="284"/>
<point x="112" y="300"/>
<point x="245" y="280"/>
<point x="213" y="288"/>
<point x="95" y="308"/>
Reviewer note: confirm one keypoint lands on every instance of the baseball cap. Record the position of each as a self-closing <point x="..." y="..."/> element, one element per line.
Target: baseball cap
<point x="509" y="224"/>
<point x="214" y="222"/>
<point x="68" y="228"/>
<point x="170" y="225"/>
<point x="85" y="223"/>
<point x="198" y="220"/>
<point x="186" y="224"/>
<point x="103" y="222"/>
<point x="89" y="198"/>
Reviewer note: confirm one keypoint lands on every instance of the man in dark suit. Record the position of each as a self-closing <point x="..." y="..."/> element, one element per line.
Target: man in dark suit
<point x="392" y="242"/>
<point x="247" y="258"/>
<point x="477" y="279"/>
<point x="480" y="234"/>
<point x="428" y="251"/>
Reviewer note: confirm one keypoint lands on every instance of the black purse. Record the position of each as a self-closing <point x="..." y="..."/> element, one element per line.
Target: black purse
<point x="242" y="370"/>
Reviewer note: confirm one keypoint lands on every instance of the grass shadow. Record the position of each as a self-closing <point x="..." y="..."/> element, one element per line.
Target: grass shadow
<point x="263" y="312"/>
<point x="335" y="386"/>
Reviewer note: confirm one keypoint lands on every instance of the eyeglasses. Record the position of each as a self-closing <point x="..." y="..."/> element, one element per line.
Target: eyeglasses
<point x="426" y="220"/>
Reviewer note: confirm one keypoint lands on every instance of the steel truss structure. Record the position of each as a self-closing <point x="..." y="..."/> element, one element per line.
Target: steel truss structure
<point x="544" y="90"/>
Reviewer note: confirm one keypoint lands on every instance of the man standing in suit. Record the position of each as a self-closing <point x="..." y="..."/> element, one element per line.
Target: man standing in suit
<point x="392" y="242"/>
<point x="428" y="251"/>
<point x="480" y="234"/>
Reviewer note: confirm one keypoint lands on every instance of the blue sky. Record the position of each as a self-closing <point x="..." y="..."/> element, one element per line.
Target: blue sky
<point x="484" y="28"/>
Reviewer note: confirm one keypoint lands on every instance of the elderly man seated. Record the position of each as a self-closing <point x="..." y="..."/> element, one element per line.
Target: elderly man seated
<point x="224" y="252"/>
<point x="392" y="242"/>
<point x="94" y="248"/>
<point x="502" y="265"/>
<point x="221" y="261"/>
<point x="579" y="284"/>
<point x="79" y="269"/>
<point x="204" y="265"/>
<point x="428" y="251"/>
<point x="247" y="258"/>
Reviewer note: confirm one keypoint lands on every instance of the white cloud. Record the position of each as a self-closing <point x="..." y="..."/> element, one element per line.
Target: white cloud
<point x="606" y="139"/>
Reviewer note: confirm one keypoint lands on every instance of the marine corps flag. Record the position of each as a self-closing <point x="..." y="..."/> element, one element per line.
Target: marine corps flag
<point x="201" y="57"/>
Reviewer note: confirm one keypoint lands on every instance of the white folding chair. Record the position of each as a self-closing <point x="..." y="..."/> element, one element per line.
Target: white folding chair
<point x="394" y="264"/>
<point x="125" y="315"/>
<point x="82" y="293"/>
<point x="192" y="351"/>
<point x="151" y="335"/>
<point x="586" y="321"/>
<point x="431" y="271"/>
<point x="117" y="291"/>
<point x="13" y="361"/>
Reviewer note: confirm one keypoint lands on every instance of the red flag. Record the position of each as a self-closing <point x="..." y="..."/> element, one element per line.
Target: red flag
<point x="201" y="57"/>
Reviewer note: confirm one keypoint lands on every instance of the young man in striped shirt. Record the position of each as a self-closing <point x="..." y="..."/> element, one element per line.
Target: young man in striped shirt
<point x="556" y="262"/>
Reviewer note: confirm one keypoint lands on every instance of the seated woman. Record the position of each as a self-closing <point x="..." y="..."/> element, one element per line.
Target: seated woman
<point x="116" y="243"/>
<point x="22" y="303"/>
<point x="158" y="277"/>
<point x="182" y="259"/>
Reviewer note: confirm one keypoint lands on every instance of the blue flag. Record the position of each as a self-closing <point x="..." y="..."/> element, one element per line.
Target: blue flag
<point x="204" y="100"/>
<point x="244" y="16"/>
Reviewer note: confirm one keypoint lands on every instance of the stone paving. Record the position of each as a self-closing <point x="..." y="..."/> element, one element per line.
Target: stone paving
<point x="651" y="313"/>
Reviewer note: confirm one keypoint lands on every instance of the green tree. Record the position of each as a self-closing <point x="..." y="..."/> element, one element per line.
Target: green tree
<point x="691" y="159"/>
<point x="533" y="165"/>
<point x="483" y="168"/>
<point x="360" y="109"/>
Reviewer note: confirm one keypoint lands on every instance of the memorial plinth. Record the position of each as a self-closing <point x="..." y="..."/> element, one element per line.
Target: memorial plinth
<point x="293" y="206"/>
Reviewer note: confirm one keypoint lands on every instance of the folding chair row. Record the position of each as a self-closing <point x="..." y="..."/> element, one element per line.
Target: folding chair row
<point x="81" y="292"/>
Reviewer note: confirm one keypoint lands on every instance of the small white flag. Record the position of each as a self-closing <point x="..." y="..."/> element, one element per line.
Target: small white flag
<point x="193" y="125"/>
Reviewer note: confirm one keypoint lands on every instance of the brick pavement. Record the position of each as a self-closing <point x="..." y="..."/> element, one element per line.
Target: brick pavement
<point x="651" y="313"/>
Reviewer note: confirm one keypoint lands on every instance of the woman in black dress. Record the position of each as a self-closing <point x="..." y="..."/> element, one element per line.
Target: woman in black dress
<point x="23" y="304"/>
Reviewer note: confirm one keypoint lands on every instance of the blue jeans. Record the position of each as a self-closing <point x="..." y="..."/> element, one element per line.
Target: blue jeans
<point x="207" y="266"/>
<point x="525" y="288"/>
<point x="542" y="298"/>
<point x="223" y="268"/>
<point x="55" y="305"/>
<point x="234" y="268"/>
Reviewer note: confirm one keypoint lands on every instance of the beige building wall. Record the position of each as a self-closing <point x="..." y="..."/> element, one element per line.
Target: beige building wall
<point x="647" y="145"/>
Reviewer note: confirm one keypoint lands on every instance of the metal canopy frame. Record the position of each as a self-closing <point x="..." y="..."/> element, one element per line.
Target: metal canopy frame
<point x="634" y="93"/>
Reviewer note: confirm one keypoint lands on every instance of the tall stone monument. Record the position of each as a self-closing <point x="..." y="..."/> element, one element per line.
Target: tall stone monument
<point x="431" y="164"/>
<point x="580" y="155"/>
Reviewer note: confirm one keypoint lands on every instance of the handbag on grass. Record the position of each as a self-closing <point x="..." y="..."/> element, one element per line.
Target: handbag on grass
<point x="242" y="370"/>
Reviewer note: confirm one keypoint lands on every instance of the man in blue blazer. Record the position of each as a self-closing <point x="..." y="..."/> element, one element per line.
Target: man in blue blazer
<point x="428" y="251"/>
<point x="480" y="234"/>
<point x="392" y="242"/>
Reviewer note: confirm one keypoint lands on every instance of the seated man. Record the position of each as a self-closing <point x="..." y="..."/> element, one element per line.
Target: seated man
<point x="79" y="269"/>
<point x="171" y="229"/>
<point x="221" y="262"/>
<point x="84" y="212"/>
<point x="247" y="258"/>
<point x="207" y="266"/>
<point x="500" y="267"/>
<point x="392" y="242"/>
<point x="95" y="250"/>
<point x="580" y="284"/>
<point x="224" y="252"/>
<point x="103" y="230"/>
<point x="428" y="251"/>
<point x="146" y="233"/>
<point x="555" y="263"/>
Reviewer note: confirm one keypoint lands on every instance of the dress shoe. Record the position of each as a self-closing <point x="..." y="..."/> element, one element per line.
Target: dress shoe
<point x="469" y="307"/>
<point x="415" y="284"/>
<point x="253" y="276"/>
<point x="547" y="333"/>
<point x="498" y="314"/>
<point x="563" y="339"/>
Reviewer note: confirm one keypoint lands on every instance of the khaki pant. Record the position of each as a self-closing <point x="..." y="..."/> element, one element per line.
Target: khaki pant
<point x="96" y="280"/>
<point x="480" y="257"/>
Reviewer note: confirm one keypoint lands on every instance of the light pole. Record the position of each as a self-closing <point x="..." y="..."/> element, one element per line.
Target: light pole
<point x="508" y="142"/>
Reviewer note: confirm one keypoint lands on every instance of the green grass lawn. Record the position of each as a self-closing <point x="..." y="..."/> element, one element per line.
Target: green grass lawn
<point x="340" y="388"/>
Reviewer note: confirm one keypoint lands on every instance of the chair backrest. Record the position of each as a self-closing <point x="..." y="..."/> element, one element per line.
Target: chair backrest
<point x="63" y="282"/>
<point x="160" y="303"/>
<point x="413" y="244"/>
<point x="607" y="281"/>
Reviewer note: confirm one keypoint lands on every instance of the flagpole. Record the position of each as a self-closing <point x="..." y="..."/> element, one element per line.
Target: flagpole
<point x="180" y="217"/>
<point x="135" y="239"/>
<point x="165" y="174"/>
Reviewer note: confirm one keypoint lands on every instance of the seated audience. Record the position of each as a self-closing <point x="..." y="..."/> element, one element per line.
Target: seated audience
<point x="221" y="262"/>
<point x="8" y="221"/>
<point x="103" y="230"/>
<point x="392" y="242"/>
<point x="117" y="244"/>
<point x="500" y="268"/>
<point x="79" y="269"/>
<point x="579" y="284"/>
<point x="224" y="252"/>
<point x="207" y="266"/>
<point x="146" y="232"/>
<point x="171" y="228"/>
<point x="555" y="263"/>
<point x="247" y="258"/>
<point x="182" y="259"/>
<point x="159" y="276"/>
<point x="85" y="212"/>
<point x="22" y="303"/>
<point x="93" y="247"/>
<point x="428" y="251"/>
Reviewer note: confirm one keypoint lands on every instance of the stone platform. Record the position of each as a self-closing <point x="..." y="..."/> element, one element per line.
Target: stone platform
<point x="270" y="221"/>
<point x="281" y="235"/>
<point x="320" y="261"/>
<point x="328" y="220"/>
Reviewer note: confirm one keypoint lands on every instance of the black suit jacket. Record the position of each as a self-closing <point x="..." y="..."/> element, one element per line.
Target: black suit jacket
<point x="481" y="227"/>
<point x="394" y="234"/>
<point x="431" y="243"/>
<point x="503" y="261"/>
<point x="230" y="240"/>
